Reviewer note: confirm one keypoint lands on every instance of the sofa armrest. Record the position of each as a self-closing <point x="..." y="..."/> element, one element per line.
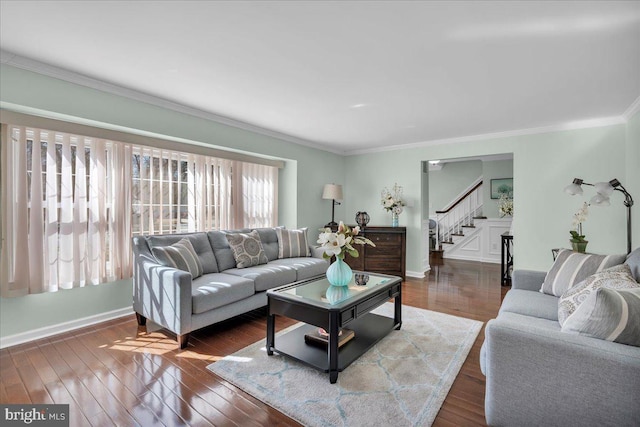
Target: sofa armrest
<point x="528" y="280"/>
<point x="162" y="294"/>
<point x="538" y="375"/>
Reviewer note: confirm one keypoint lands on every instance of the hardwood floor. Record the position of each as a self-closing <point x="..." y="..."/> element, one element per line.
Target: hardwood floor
<point x="116" y="373"/>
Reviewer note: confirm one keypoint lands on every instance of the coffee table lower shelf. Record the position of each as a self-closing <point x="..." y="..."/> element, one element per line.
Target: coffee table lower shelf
<point x="368" y="330"/>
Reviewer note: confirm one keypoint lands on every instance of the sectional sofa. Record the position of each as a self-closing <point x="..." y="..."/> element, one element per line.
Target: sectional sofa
<point x="172" y="298"/>
<point x="537" y="374"/>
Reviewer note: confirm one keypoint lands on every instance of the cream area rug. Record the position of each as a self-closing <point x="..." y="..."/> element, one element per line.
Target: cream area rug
<point x="401" y="381"/>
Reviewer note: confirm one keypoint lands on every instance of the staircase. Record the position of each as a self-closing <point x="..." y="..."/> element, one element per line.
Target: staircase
<point x="462" y="232"/>
<point x="457" y="218"/>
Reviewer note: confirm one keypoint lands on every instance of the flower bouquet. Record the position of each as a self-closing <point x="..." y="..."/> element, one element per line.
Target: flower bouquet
<point x="392" y="202"/>
<point x="340" y="243"/>
<point x="505" y="206"/>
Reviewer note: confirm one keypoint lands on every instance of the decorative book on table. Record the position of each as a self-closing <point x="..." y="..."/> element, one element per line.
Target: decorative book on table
<point x="321" y="338"/>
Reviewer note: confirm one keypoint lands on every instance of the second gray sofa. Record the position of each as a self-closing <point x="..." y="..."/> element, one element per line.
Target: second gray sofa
<point x="538" y="375"/>
<point x="171" y="298"/>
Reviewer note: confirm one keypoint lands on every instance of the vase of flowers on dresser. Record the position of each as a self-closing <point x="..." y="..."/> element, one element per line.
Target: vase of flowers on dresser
<point x="392" y="202"/>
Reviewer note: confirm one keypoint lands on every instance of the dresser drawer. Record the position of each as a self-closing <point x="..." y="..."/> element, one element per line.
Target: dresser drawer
<point x="381" y="264"/>
<point x="395" y="239"/>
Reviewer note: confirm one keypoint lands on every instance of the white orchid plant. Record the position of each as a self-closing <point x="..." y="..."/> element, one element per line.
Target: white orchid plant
<point x="341" y="242"/>
<point x="392" y="200"/>
<point x="578" y="218"/>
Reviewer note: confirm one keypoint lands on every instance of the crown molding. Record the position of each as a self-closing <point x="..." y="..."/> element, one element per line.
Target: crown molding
<point x="28" y="64"/>
<point x="632" y="110"/>
<point x="582" y="124"/>
<point x="59" y="73"/>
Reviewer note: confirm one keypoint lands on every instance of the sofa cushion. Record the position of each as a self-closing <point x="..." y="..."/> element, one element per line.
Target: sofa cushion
<point x="292" y="243"/>
<point x="633" y="261"/>
<point x="530" y="303"/>
<point x="266" y="276"/>
<point x="571" y="268"/>
<point x="247" y="249"/>
<point x="608" y="314"/>
<point x="269" y="240"/>
<point x="222" y="250"/>
<point x="616" y="277"/>
<point x="305" y="267"/>
<point x="180" y="255"/>
<point x="200" y="243"/>
<point x="218" y="289"/>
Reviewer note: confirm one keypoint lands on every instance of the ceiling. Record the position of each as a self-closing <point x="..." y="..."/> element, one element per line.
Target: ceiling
<point x="350" y="76"/>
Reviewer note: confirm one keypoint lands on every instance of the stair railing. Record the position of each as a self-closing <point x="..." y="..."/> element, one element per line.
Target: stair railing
<point x="461" y="212"/>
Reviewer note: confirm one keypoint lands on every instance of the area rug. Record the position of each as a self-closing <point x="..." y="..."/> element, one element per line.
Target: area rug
<point x="401" y="381"/>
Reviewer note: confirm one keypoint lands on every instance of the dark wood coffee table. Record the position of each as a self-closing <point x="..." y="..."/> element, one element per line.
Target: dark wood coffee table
<point x="309" y="302"/>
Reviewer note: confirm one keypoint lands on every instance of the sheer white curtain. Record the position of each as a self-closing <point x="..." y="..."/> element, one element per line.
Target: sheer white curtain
<point x="258" y="196"/>
<point x="66" y="211"/>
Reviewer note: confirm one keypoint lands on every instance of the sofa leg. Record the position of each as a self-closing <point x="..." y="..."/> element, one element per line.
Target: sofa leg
<point x="141" y="319"/>
<point x="183" y="340"/>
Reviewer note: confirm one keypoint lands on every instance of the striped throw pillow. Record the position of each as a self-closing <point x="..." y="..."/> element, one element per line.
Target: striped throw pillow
<point x="571" y="268"/>
<point x="616" y="277"/>
<point x="608" y="314"/>
<point x="292" y="243"/>
<point x="180" y="255"/>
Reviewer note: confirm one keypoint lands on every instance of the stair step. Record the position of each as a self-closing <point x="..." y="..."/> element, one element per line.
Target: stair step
<point x="457" y="234"/>
<point x="479" y="217"/>
<point x="448" y="242"/>
<point x="469" y="226"/>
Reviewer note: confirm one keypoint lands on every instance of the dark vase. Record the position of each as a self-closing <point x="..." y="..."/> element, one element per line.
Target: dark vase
<point x="362" y="219"/>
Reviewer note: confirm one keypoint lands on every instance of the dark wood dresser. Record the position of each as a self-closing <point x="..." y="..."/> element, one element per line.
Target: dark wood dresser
<point x="389" y="255"/>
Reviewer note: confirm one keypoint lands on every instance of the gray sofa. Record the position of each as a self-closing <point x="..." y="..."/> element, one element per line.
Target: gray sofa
<point x="537" y="375"/>
<point x="170" y="298"/>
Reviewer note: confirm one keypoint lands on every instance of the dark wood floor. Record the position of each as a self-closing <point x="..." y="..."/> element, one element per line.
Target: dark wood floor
<point x="116" y="373"/>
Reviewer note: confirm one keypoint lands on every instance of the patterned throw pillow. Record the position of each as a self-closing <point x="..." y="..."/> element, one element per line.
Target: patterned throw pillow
<point x="571" y="268"/>
<point x="616" y="277"/>
<point x="608" y="314"/>
<point x="292" y="243"/>
<point x="247" y="249"/>
<point x="180" y="255"/>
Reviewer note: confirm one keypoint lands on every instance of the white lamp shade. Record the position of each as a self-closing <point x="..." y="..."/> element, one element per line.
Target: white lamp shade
<point x="573" y="189"/>
<point x="600" y="200"/>
<point x="603" y="188"/>
<point x="332" y="191"/>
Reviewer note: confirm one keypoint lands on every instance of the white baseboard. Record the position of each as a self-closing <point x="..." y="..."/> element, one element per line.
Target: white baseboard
<point x="416" y="274"/>
<point x="59" y="328"/>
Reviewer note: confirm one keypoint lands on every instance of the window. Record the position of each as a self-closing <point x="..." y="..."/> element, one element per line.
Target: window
<point x="71" y="204"/>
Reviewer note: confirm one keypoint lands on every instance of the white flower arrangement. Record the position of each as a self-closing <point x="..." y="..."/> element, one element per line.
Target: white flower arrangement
<point x="578" y="218"/>
<point x="505" y="206"/>
<point x="341" y="242"/>
<point x="392" y="200"/>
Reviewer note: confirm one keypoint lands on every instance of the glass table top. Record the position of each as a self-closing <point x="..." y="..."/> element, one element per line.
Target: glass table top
<point x="321" y="291"/>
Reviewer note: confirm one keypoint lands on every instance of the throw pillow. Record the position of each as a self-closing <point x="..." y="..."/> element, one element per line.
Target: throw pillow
<point x="180" y="255"/>
<point x="571" y="268"/>
<point x="247" y="249"/>
<point x="292" y="243"/>
<point x="616" y="277"/>
<point x="608" y="314"/>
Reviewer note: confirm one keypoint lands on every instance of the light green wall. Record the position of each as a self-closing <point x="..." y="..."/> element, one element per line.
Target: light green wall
<point x="491" y="170"/>
<point x="450" y="181"/>
<point x="632" y="179"/>
<point x="543" y="165"/>
<point x="300" y="182"/>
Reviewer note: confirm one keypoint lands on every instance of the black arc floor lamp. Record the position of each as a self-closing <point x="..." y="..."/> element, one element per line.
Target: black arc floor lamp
<point x="603" y="192"/>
